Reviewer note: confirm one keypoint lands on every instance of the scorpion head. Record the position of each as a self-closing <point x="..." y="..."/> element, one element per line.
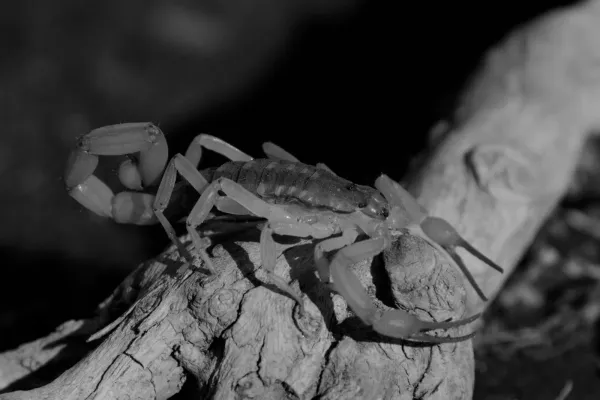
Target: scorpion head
<point x="402" y="208"/>
<point x="375" y="206"/>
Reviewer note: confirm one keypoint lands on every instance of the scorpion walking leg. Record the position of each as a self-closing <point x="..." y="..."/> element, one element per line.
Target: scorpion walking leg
<point x="268" y="253"/>
<point x="347" y="284"/>
<point x="194" y="151"/>
<point x="275" y="152"/>
<point x="259" y="208"/>
<point x="348" y="237"/>
<point x="182" y="165"/>
<point x="194" y="155"/>
<point x="395" y="323"/>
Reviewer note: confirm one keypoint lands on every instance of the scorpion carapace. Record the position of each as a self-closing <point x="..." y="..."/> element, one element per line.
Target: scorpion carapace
<point x="285" y="182"/>
<point x="296" y="199"/>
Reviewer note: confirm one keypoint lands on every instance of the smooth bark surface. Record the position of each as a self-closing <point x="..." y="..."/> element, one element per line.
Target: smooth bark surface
<point x="504" y="161"/>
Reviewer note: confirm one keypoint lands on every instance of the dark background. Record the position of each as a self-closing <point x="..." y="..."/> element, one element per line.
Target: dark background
<point x="355" y="84"/>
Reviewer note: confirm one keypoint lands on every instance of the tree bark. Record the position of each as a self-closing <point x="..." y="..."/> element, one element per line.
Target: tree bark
<point x="497" y="169"/>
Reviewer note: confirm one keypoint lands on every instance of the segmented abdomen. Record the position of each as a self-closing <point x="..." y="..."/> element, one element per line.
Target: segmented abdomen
<point x="287" y="182"/>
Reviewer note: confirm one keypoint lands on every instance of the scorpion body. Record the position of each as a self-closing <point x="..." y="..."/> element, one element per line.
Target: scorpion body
<point x="287" y="182"/>
<point x="296" y="199"/>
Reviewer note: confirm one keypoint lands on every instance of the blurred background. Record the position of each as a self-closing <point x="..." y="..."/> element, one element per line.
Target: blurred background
<point x="353" y="83"/>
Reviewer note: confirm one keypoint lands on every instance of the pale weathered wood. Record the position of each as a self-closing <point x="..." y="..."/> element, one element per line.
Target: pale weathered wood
<point x="505" y="161"/>
<point x="520" y="127"/>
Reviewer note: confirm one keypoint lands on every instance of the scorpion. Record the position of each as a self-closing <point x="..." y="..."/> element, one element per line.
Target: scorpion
<point x="296" y="199"/>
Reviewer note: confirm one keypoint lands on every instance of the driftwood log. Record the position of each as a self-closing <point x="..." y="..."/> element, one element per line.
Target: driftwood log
<point x="496" y="170"/>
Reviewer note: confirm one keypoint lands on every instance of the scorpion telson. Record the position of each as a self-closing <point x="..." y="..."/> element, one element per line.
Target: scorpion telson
<point x="296" y="199"/>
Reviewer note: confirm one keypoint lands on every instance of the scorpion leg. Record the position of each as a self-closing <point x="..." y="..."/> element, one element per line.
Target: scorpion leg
<point x="268" y="253"/>
<point x="348" y="237"/>
<point x="435" y="231"/>
<point x="257" y="207"/>
<point x="194" y="151"/>
<point x="187" y="170"/>
<point x="229" y="206"/>
<point x="394" y="323"/>
<point x="275" y="152"/>
<point x="182" y="165"/>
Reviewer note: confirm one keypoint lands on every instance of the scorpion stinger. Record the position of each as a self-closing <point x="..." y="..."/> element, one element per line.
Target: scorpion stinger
<point x="148" y="147"/>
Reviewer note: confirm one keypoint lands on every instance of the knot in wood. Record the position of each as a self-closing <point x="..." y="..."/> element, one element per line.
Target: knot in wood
<point x="504" y="172"/>
<point x="148" y="304"/>
<point x="250" y="386"/>
<point x="309" y="324"/>
<point x="222" y="302"/>
<point x="408" y="260"/>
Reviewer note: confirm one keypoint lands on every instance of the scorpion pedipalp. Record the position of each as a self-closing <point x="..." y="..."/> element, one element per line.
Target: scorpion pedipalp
<point x="446" y="236"/>
<point x="392" y="323"/>
<point x="434" y="230"/>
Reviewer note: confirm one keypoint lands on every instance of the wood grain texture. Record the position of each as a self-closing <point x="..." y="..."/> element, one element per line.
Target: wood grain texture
<point x="503" y="162"/>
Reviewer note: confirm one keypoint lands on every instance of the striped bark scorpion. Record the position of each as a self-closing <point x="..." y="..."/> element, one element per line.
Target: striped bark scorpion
<point x="296" y="199"/>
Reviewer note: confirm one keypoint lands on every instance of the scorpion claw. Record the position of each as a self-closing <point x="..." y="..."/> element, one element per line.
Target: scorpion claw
<point x="400" y="324"/>
<point x="423" y="337"/>
<point x="450" y="324"/>
<point x="445" y="235"/>
<point x="461" y="265"/>
<point x="467" y="246"/>
<point x="449" y="252"/>
<point x="441" y="235"/>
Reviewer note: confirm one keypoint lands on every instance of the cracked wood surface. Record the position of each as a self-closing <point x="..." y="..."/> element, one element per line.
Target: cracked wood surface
<point x="241" y="339"/>
<point x="505" y="160"/>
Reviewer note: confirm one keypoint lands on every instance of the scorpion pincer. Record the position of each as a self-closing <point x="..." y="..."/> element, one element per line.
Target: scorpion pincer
<point x="296" y="199"/>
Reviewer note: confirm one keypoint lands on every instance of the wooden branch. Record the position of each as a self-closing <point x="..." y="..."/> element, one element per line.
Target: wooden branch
<point x="506" y="159"/>
<point x="516" y="138"/>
